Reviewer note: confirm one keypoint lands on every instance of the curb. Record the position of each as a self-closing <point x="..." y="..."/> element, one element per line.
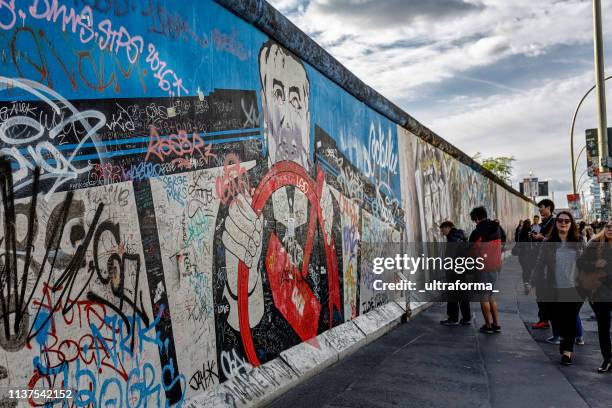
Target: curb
<point x="261" y="385"/>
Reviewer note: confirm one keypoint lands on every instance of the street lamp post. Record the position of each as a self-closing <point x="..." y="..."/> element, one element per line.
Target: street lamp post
<point x="601" y="96"/>
<point x="575" y="163"/>
<point x="582" y="185"/>
<point x="600" y="88"/>
<point x="602" y="125"/>
<point x="580" y="178"/>
<point x="578" y="159"/>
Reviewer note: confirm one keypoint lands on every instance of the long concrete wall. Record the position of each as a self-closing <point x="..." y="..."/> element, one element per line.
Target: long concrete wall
<point x="184" y="198"/>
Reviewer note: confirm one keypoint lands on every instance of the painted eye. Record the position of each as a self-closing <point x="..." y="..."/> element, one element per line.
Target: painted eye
<point x="296" y="103"/>
<point x="278" y="94"/>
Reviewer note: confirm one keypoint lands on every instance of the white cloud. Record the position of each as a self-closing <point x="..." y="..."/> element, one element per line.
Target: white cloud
<point x="434" y="50"/>
<point x="364" y="35"/>
<point x="393" y="13"/>
<point x="286" y="6"/>
<point x="533" y="126"/>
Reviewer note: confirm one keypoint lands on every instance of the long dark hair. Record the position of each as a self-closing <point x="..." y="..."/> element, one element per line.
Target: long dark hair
<point x="572" y="234"/>
<point x="527" y="225"/>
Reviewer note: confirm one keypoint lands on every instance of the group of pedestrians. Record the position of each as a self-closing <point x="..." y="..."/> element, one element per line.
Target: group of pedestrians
<point x="597" y="226"/>
<point x="487" y="237"/>
<point x="567" y="264"/>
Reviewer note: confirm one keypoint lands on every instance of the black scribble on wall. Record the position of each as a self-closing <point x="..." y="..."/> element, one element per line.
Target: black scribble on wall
<point x="18" y="285"/>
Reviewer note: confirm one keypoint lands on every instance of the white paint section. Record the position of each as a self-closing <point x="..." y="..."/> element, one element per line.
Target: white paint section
<point x="376" y="234"/>
<point x="345" y="339"/>
<point x="402" y="304"/>
<point x="186" y="208"/>
<point x="379" y="321"/>
<point x="310" y="357"/>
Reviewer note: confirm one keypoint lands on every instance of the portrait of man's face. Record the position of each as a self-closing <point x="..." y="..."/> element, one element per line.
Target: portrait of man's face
<point x="284" y="92"/>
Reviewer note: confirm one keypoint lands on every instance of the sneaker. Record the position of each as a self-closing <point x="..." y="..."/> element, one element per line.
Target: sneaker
<point x="540" y="325"/>
<point x="604" y="367"/>
<point x="449" y="322"/>
<point x="579" y="341"/>
<point x="554" y="340"/>
<point x="465" y="322"/>
<point x="566" y="360"/>
<point x="496" y="328"/>
<point x="487" y="329"/>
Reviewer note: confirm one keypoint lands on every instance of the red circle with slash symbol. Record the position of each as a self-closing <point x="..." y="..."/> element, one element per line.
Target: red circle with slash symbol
<point x="292" y="297"/>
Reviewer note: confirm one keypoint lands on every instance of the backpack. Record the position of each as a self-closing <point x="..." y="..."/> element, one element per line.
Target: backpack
<point x="459" y="247"/>
<point x="490" y="252"/>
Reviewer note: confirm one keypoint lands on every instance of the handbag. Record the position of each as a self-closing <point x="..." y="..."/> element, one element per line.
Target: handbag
<point x="589" y="281"/>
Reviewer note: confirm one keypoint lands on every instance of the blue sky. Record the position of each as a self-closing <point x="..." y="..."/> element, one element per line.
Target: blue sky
<point x="495" y="76"/>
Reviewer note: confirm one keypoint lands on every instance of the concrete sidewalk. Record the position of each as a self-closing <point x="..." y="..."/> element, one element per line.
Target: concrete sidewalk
<point x="595" y="388"/>
<point x="424" y="364"/>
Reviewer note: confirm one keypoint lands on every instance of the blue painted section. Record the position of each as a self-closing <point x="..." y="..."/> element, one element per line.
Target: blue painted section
<point x="201" y="44"/>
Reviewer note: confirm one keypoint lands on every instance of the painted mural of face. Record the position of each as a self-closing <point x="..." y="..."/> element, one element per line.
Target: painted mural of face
<point x="285" y="91"/>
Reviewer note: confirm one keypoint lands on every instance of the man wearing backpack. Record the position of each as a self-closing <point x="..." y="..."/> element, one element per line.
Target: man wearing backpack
<point x="456" y="237"/>
<point x="486" y="243"/>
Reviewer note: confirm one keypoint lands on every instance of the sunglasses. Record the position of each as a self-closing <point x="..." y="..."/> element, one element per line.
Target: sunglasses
<point x="564" y="221"/>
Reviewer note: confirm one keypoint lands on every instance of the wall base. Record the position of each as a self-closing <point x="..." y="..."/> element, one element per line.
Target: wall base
<point x="263" y="384"/>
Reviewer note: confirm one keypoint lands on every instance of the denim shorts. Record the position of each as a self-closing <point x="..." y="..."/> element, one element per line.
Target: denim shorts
<point x="488" y="277"/>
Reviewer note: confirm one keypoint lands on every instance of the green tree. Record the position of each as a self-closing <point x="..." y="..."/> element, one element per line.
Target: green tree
<point x="500" y="166"/>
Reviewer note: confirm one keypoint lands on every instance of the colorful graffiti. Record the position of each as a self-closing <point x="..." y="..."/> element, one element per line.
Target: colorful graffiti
<point x="182" y="202"/>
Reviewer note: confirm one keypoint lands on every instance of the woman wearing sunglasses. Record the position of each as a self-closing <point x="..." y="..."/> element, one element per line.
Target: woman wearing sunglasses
<point x="595" y="279"/>
<point x="556" y="264"/>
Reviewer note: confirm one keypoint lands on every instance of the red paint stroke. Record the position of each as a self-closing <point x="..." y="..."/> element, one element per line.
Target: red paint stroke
<point x="286" y="292"/>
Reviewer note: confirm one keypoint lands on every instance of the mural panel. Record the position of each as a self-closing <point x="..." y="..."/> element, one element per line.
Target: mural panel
<point x="184" y="198"/>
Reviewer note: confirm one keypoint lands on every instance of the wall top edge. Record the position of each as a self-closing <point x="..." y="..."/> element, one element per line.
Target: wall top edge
<point x="269" y="20"/>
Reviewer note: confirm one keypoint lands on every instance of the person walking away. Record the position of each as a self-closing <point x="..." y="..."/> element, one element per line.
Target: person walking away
<point x="545" y="208"/>
<point x="557" y="258"/>
<point x="525" y="252"/>
<point x="485" y="243"/>
<point x="456" y="237"/>
<point x="595" y="280"/>
<point x="517" y="231"/>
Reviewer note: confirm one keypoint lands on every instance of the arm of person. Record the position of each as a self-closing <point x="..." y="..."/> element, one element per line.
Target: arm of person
<point x="586" y="260"/>
<point x="540" y="264"/>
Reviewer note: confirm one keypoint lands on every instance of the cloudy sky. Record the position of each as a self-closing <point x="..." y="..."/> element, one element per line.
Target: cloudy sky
<point x="492" y="76"/>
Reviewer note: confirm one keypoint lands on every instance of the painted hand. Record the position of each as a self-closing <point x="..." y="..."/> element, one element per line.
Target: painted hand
<point x="242" y="236"/>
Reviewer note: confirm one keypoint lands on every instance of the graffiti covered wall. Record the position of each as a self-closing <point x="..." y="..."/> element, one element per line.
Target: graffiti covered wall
<point x="184" y="198"/>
